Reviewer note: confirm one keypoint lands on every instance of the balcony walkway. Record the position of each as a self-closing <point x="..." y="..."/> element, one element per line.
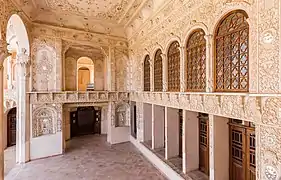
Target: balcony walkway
<point x="90" y="158"/>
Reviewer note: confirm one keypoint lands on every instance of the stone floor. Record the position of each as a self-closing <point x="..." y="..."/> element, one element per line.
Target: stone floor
<point x="90" y="158"/>
<point x="9" y="159"/>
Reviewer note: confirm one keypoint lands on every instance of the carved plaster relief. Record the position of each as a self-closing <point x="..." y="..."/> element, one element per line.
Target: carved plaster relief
<point x="44" y="122"/>
<point x="44" y="61"/>
<point x="46" y="119"/>
<point x="122" y="115"/>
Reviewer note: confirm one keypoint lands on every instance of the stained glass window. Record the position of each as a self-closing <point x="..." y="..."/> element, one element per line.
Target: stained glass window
<point x="158" y="71"/>
<point x="174" y="67"/>
<point x="196" y="61"/>
<point x="232" y="53"/>
<point x="146" y="74"/>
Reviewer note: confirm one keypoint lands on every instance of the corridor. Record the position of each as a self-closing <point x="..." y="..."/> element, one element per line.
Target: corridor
<point x="90" y="158"/>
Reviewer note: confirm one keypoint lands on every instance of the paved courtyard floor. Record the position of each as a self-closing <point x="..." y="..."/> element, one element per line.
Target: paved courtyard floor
<point x="90" y="158"/>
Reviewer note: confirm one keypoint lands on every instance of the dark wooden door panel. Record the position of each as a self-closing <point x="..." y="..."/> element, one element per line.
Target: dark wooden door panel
<point x="97" y="129"/>
<point x="180" y="132"/>
<point x="242" y="152"/>
<point x="73" y="124"/>
<point x="12" y="127"/>
<point x="204" y="143"/>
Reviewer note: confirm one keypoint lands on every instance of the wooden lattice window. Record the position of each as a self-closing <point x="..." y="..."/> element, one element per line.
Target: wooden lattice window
<point x="158" y="71"/>
<point x="196" y="61"/>
<point x="232" y="53"/>
<point x="146" y="73"/>
<point x="174" y="67"/>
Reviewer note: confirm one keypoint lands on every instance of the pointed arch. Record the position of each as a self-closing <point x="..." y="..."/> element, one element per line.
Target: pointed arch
<point x="174" y="67"/>
<point x="158" y="71"/>
<point x="146" y="73"/>
<point x="196" y="61"/>
<point x="232" y="53"/>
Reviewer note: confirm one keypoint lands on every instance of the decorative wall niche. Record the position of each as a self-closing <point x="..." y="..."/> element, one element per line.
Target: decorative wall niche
<point x="44" y="122"/>
<point x="122" y="118"/>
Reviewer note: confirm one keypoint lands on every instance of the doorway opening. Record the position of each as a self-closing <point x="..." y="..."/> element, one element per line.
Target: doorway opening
<point x="204" y="143"/>
<point x="12" y="127"/>
<point x="134" y="120"/>
<point x="85" y="121"/>
<point x="242" y="150"/>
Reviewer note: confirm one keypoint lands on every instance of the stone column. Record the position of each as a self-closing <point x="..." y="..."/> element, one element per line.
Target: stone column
<point x="151" y="62"/>
<point x="1" y="122"/>
<point x="182" y="69"/>
<point x="165" y="72"/>
<point x="22" y="145"/>
<point x="209" y="64"/>
<point x="9" y="72"/>
<point x="3" y="55"/>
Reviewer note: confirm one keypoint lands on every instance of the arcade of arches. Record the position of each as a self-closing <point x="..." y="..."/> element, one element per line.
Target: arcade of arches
<point x="191" y="85"/>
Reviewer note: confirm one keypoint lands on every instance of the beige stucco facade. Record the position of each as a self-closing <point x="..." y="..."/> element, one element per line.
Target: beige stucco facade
<point x="49" y="86"/>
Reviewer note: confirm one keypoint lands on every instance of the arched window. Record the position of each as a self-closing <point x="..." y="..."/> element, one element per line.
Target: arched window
<point x="174" y="67"/>
<point x="158" y="71"/>
<point x="196" y="61"/>
<point x="146" y="74"/>
<point x="232" y="53"/>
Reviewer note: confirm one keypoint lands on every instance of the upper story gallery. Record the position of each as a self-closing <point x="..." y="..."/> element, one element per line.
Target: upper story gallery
<point x="194" y="85"/>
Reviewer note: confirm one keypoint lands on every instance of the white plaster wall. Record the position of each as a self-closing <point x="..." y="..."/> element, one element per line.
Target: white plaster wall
<point x="147" y="120"/>
<point x="118" y="135"/>
<point x="158" y="139"/>
<point x="104" y="121"/>
<point x="219" y="152"/>
<point x="191" y="141"/>
<point x="46" y="146"/>
<point x="172" y="132"/>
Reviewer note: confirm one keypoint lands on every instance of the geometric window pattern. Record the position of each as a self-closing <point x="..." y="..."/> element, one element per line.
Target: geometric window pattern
<point x="174" y="67"/>
<point x="232" y="53"/>
<point x="158" y="71"/>
<point x="146" y="74"/>
<point x="196" y="61"/>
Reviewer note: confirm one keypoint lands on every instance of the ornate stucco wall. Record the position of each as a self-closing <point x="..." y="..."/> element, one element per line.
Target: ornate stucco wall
<point x="174" y="22"/>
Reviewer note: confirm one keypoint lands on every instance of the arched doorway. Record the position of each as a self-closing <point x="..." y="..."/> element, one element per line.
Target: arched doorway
<point x="85" y="74"/>
<point x="12" y="127"/>
<point x="83" y="78"/>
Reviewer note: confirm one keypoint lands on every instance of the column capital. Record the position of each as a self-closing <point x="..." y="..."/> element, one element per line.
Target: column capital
<point x="163" y="56"/>
<point x="208" y="36"/>
<point x="3" y="51"/>
<point x="22" y="58"/>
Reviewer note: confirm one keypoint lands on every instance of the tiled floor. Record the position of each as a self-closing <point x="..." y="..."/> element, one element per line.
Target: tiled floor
<point x="90" y="158"/>
<point x="9" y="159"/>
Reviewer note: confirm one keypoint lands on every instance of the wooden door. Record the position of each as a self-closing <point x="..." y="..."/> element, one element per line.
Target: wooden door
<point x="251" y="154"/>
<point x="134" y="122"/>
<point x="73" y="124"/>
<point x="12" y="127"/>
<point x="180" y="132"/>
<point x="83" y="79"/>
<point x="204" y="143"/>
<point x="242" y="152"/>
<point x="86" y="120"/>
<point x="97" y="128"/>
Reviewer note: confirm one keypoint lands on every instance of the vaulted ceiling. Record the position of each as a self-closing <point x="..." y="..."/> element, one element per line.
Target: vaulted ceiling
<point x="104" y="16"/>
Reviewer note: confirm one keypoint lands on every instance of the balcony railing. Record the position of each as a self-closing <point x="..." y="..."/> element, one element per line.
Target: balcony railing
<point x="263" y="108"/>
<point x="76" y="96"/>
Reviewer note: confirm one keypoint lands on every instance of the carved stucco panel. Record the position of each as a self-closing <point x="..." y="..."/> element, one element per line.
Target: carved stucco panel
<point x="270" y="145"/>
<point x="44" y="59"/>
<point x="271" y="111"/>
<point x="269" y="44"/>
